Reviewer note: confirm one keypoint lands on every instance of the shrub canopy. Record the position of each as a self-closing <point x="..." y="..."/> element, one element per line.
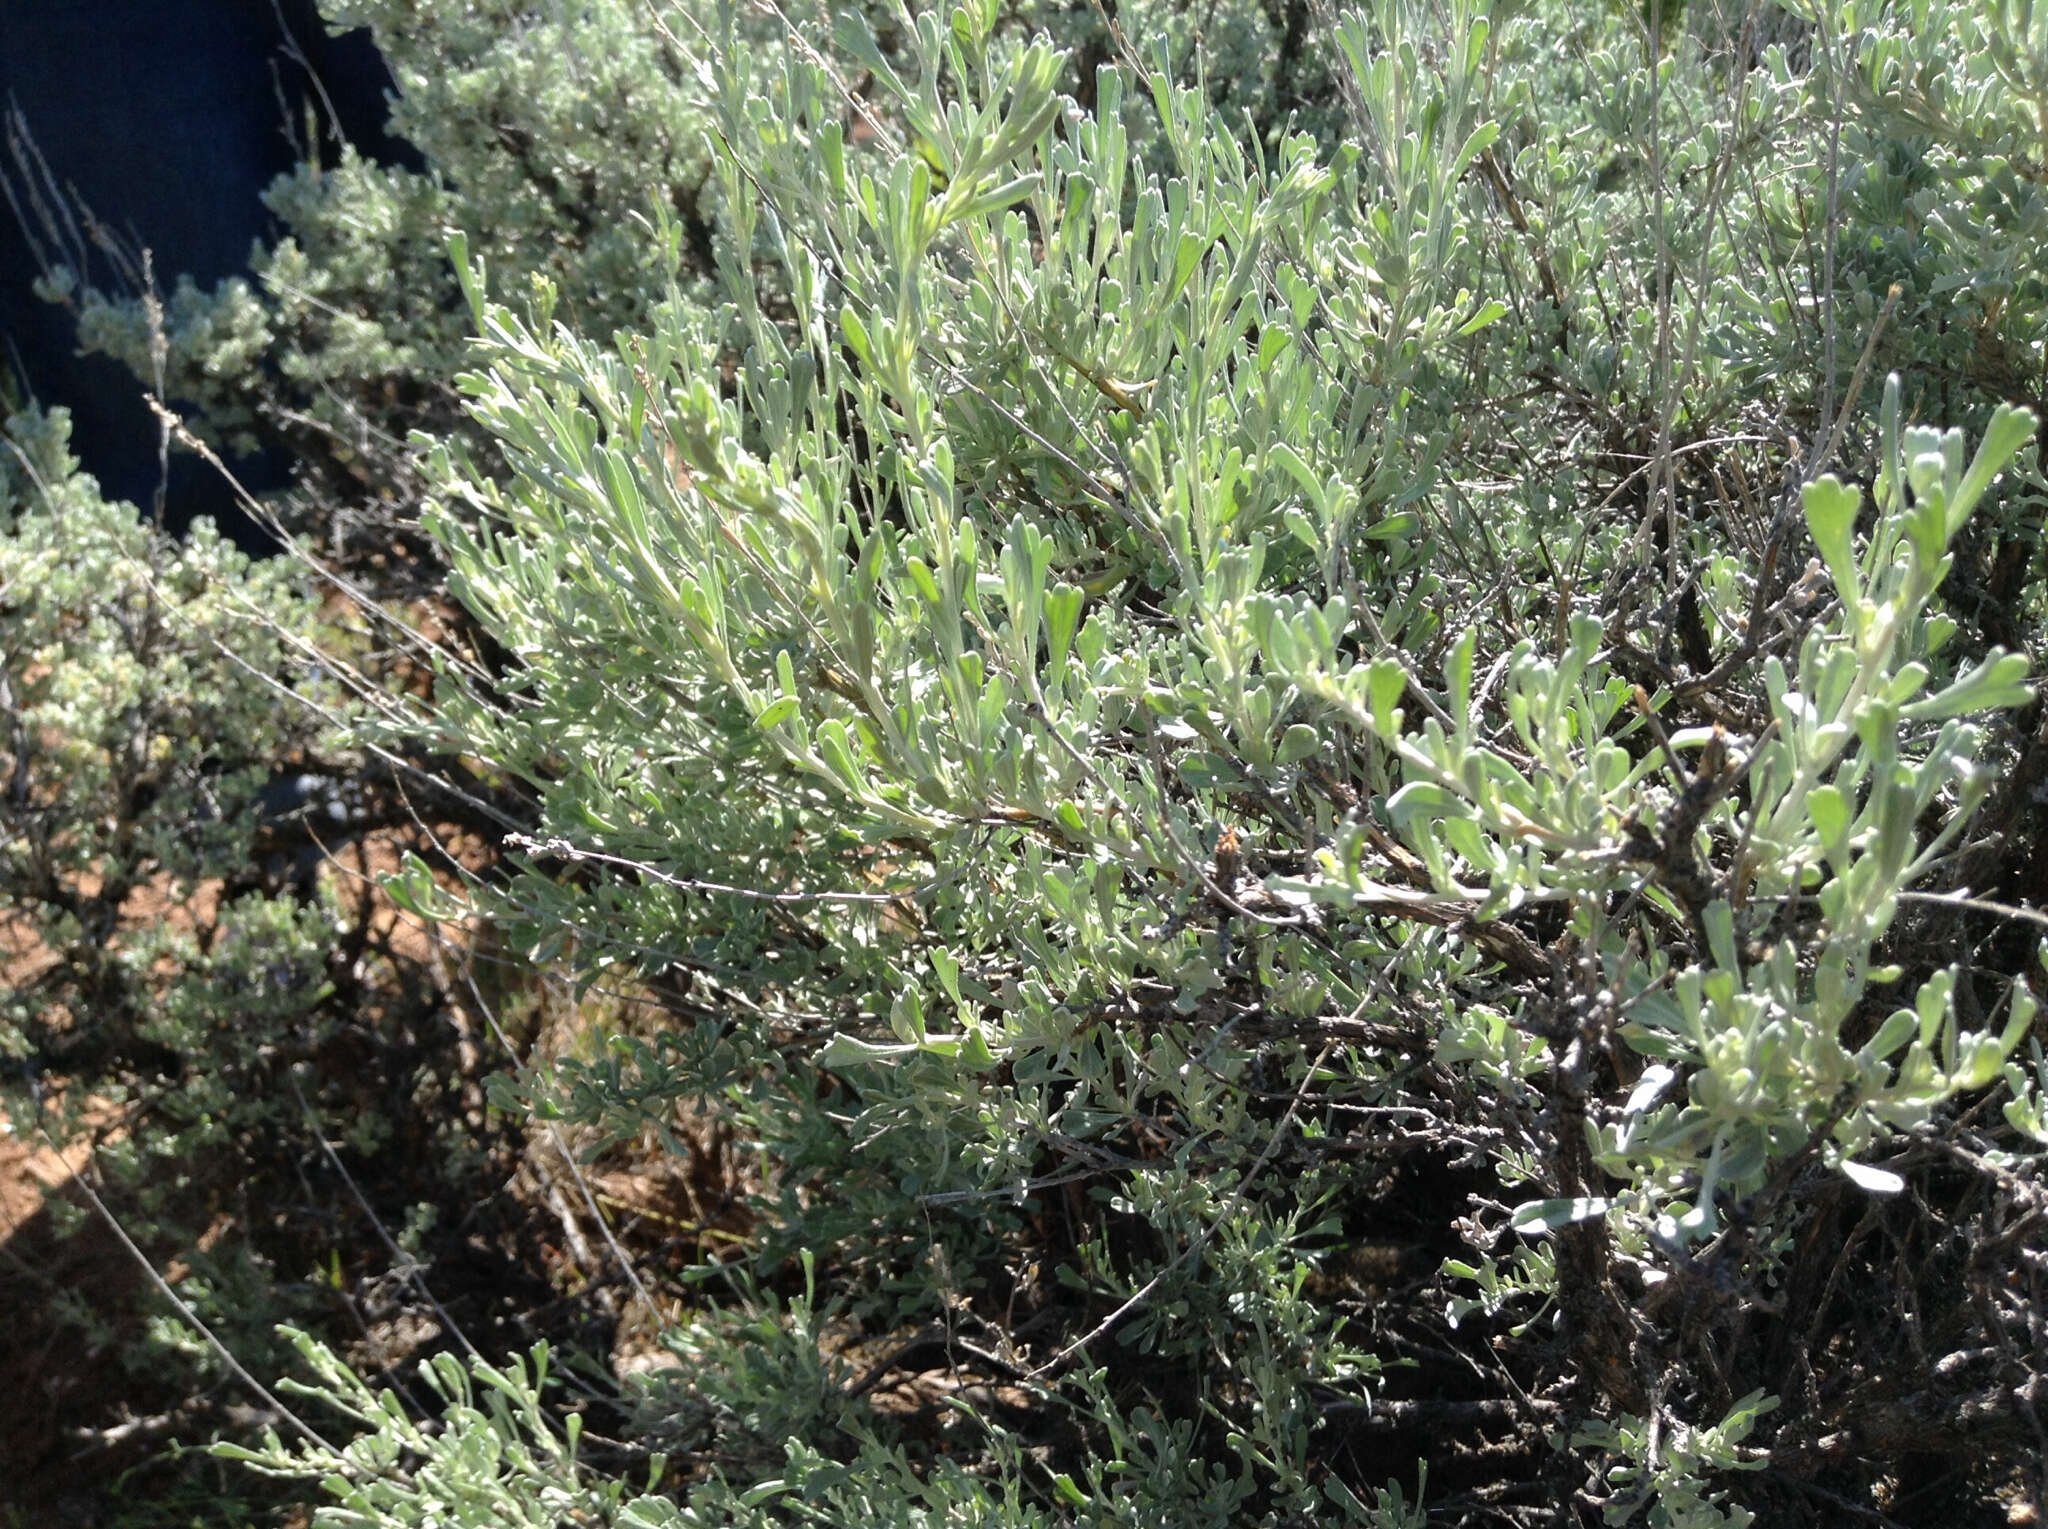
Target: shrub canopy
<point x="1315" y="754"/>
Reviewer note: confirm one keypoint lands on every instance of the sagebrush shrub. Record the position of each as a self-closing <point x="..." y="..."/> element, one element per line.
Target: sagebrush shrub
<point x="1093" y="657"/>
<point x="1320" y="788"/>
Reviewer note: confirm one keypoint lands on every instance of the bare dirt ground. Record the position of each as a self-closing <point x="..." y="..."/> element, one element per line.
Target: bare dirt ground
<point x="73" y="1416"/>
<point x="527" y="1259"/>
<point x="72" y="1298"/>
<point x="60" y="1394"/>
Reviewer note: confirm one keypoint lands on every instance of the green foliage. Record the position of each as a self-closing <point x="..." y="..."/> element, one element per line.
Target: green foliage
<point x="492" y="1456"/>
<point x="1668" y="1477"/>
<point x="143" y="685"/>
<point x="1171" y="702"/>
<point x="1561" y="812"/>
<point x="1005" y="682"/>
<point x="160" y="967"/>
<point x="551" y="139"/>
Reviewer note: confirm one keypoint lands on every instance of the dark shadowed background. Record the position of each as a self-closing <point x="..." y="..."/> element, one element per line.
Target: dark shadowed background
<point x="167" y="118"/>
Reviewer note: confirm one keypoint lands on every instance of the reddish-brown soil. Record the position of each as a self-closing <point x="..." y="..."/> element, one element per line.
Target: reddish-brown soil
<point x="517" y="1264"/>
